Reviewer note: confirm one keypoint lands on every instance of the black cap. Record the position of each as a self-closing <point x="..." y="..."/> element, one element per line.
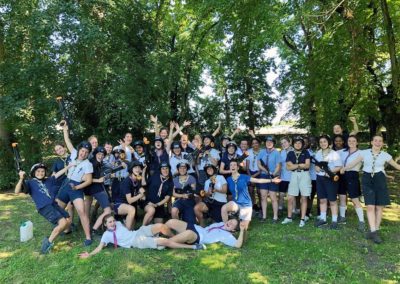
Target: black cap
<point x="37" y="166"/>
<point x="164" y="165"/>
<point x="138" y="143"/>
<point x="86" y="145"/>
<point x="99" y="149"/>
<point x="134" y="164"/>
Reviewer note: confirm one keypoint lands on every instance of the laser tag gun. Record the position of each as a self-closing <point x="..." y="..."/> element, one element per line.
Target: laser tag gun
<point x="190" y="157"/>
<point x="147" y="151"/>
<point x="324" y="166"/>
<point x="266" y="167"/>
<point x="187" y="189"/>
<point x="108" y="171"/>
<point x="18" y="162"/>
<point x="240" y="160"/>
<point x="64" y="113"/>
<point x="209" y="199"/>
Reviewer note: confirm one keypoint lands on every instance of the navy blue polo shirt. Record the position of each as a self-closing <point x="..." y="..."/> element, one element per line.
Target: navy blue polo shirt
<point x="128" y="186"/>
<point x="58" y="165"/>
<point x="301" y="159"/>
<point x="42" y="195"/>
<point x="95" y="187"/>
<point x="154" y="185"/>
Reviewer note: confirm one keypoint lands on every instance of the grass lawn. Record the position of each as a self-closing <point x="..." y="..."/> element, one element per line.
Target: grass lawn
<point x="272" y="254"/>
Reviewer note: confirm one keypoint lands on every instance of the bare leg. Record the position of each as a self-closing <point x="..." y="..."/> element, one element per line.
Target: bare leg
<point x="378" y="216"/>
<point x="199" y="209"/>
<point x="129" y="211"/>
<point x="61" y="226"/>
<point x="303" y="206"/>
<point x="99" y="220"/>
<point x="171" y="244"/>
<point x="177" y="225"/>
<point x="231" y="206"/>
<point x="80" y="208"/>
<point x="264" y="202"/>
<point x="174" y="213"/>
<point x="148" y="217"/>
<point x="274" y="201"/>
<point x="371" y="217"/>
<point x="187" y="236"/>
<point x="291" y="198"/>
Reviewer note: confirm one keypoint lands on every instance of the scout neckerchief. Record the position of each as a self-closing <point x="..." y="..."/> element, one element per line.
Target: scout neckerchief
<point x="43" y="188"/>
<point x="374" y="158"/>
<point x="269" y="152"/>
<point x="348" y="156"/>
<point x="216" y="228"/>
<point x="255" y="155"/>
<point x="114" y="236"/>
<point x="236" y="189"/>
<point x="183" y="182"/>
<point x="163" y="180"/>
<point x="297" y="155"/>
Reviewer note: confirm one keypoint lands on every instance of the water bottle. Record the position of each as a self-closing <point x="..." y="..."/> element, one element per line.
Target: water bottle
<point x="26" y="231"/>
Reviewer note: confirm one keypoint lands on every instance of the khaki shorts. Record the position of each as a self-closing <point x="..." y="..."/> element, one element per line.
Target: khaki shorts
<point x="144" y="238"/>
<point x="300" y="182"/>
<point x="245" y="213"/>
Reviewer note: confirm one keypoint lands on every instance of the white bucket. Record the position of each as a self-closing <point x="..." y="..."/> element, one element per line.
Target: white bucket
<point x="26" y="231"/>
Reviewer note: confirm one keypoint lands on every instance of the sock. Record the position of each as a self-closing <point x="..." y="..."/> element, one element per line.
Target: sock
<point x="342" y="210"/>
<point x="360" y="214"/>
<point x="373" y="229"/>
<point x="334" y="218"/>
<point x="323" y="216"/>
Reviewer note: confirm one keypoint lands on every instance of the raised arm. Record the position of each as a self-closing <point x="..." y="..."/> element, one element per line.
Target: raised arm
<point x="154" y="119"/>
<point x="355" y="126"/>
<point x="18" y="186"/>
<point x="237" y="130"/>
<point x="67" y="140"/>
<point x="394" y="164"/>
<point x="216" y="131"/>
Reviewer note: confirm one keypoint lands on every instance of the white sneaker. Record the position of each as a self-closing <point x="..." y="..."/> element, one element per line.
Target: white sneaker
<point x="287" y="221"/>
<point x="306" y="218"/>
<point x="302" y="224"/>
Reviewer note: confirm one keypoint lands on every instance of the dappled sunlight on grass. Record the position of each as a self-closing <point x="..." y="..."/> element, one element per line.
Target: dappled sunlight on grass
<point x="63" y="246"/>
<point x="135" y="267"/>
<point x="11" y="196"/>
<point x="257" y="277"/>
<point x="215" y="261"/>
<point x="5" y="254"/>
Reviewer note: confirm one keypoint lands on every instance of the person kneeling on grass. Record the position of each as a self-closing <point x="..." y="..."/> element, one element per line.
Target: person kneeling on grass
<point x="146" y="237"/>
<point x="217" y="232"/>
<point x="43" y="192"/>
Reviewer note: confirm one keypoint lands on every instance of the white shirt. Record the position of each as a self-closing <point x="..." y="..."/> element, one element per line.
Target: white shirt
<point x="203" y="161"/>
<point x="348" y="158"/>
<point x="380" y="161"/>
<point x="175" y="160"/>
<point x="82" y="167"/>
<point x="220" y="181"/>
<point x="209" y="235"/>
<point x="332" y="158"/>
<point x="124" y="236"/>
<point x="253" y="158"/>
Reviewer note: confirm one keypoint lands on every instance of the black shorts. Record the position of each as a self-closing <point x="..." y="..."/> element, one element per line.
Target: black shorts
<point x="284" y="186"/>
<point x="342" y="188"/>
<point x="53" y="213"/>
<point x="214" y="209"/>
<point x="352" y="183"/>
<point x="186" y="209"/>
<point x="191" y="227"/>
<point x="375" y="190"/>
<point x="327" y="188"/>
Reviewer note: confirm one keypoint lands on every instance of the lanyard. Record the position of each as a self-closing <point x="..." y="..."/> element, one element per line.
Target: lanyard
<point x="236" y="189"/>
<point x="215" y="228"/>
<point x="255" y="155"/>
<point x="348" y="156"/>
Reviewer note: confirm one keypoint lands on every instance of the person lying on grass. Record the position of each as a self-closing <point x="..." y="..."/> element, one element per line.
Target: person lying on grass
<point x="118" y="235"/>
<point x="43" y="192"/>
<point x="218" y="232"/>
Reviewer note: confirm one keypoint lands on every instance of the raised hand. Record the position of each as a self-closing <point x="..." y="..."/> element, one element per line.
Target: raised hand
<point x="153" y="118"/>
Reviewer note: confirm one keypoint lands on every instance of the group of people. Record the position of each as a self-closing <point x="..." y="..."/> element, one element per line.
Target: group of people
<point x="181" y="186"/>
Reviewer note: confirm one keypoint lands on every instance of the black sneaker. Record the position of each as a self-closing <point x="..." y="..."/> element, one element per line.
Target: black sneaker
<point x="274" y="221"/>
<point x="361" y="227"/>
<point x="262" y="220"/>
<point x="374" y="236"/>
<point x="320" y="223"/>
<point x="87" y="243"/>
<point x="341" y="220"/>
<point x="46" y="246"/>
<point x="334" y="226"/>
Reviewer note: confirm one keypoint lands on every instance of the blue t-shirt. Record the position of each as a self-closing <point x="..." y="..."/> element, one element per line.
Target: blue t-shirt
<point x="285" y="173"/>
<point x="128" y="186"/>
<point x="239" y="190"/>
<point x="301" y="159"/>
<point x="271" y="159"/>
<point x="58" y="165"/>
<point x="42" y="193"/>
<point x="153" y="194"/>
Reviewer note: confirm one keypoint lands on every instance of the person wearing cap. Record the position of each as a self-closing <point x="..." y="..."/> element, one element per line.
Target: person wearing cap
<point x="238" y="186"/>
<point x="215" y="196"/>
<point x="184" y="193"/>
<point x="176" y="157"/>
<point x="43" y="192"/>
<point x="119" y="176"/>
<point x="298" y="162"/>
<point x="158" y="155"/>
<point x="79" y="177"/>
<point x="229" y="155"/>
<point x="269" y="162"/>
<point x="159" y="191"/>
<point x="139" y="153"/>
<point x="223" y="141"/>
<point x="254" y="171"/>
<point x="207" y="155"/>
<point x="61" y="162"/>
<point x="97" y="190"/>
<point x="130" y="193"/>
<point x="327" y="188"/>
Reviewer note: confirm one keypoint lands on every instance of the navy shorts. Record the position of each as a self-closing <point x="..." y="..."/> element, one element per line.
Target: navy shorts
<point x="214" y="210"/>
<point x="327" y="188"/>
<point x="191" y="227"/>
<point x="284" y="186"/>
<point x="102" y="199"/>
<point x="116" y="206"/>
<point x="201" y="180"/>
<point x="342" y="188"/>
<point x="268" y="186"/>
<point x="352" y="182"/>
<point x="186" y="208"/>
<point x="67" y="194"/>
<point x="53" y="213"/>
<point x="375" y="190"/>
